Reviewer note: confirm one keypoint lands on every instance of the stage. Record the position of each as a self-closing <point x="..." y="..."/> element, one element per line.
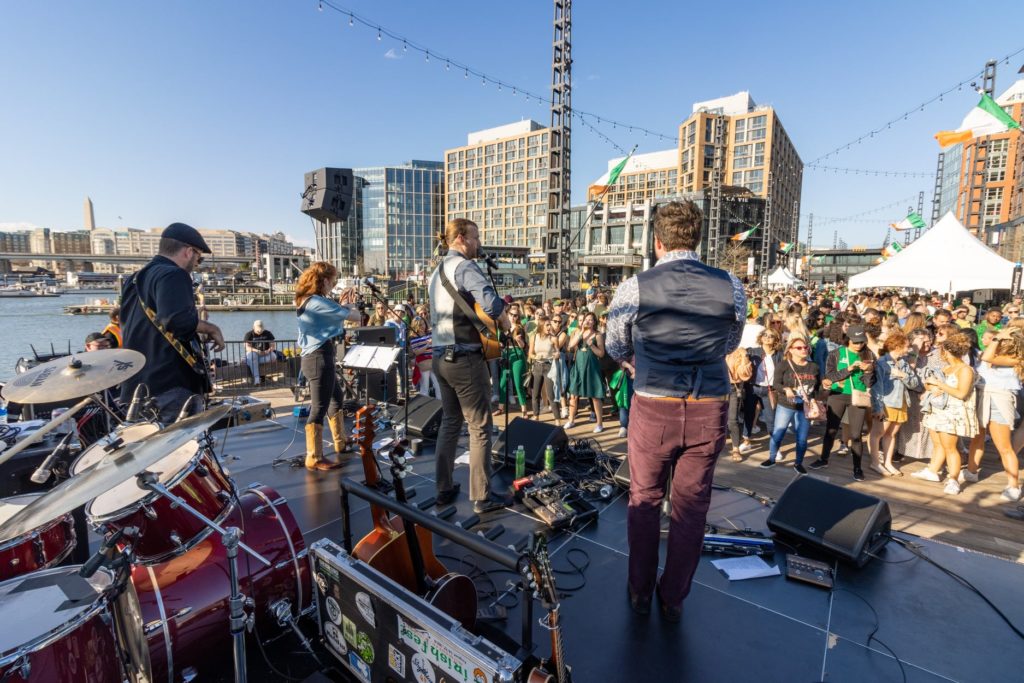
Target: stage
<point x="765" y="629"/>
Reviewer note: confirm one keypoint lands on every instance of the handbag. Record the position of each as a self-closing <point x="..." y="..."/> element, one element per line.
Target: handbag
<point x="860" y="399"/>
<point x="814" y="409"/>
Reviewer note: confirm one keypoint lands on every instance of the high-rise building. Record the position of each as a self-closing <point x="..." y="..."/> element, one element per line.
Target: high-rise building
<point x="756" y="149"/>
<point x="499" y="180"/>
<point x="90" y="217"/>
<point x="401" y="209"/>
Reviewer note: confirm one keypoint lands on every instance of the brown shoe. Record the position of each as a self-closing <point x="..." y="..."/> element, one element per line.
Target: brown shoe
<point x="326" y="465"/>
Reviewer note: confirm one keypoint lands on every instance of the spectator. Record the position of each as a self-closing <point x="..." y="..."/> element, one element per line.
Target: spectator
<point x="741" y="370"/>
<point x="259" y="349"/>
<point x="763" y="357"/>
<point x="514" y="369"/>
<point x="992" y="321"/>
<point x="544" y="351"/>
<point x="796" y="380"/>
<point x="895" y="379"/>
<point x="97" y="341"/>
<point x="585" y="380"/>
<point x="113" y="328"/>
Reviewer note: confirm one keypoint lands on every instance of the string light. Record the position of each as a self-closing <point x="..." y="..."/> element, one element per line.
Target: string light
<point x="320" y="5"/>
<point x="351" y="21"/>
<point x="427" y="57"/>
<point x="869" y="172"/>
<point x="379" y="37"/>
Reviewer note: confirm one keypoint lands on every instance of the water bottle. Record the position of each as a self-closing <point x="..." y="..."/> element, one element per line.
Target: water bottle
<point x="3" y="412"/>
<point x="520" y="462"/>
<point x="549" y="459"/>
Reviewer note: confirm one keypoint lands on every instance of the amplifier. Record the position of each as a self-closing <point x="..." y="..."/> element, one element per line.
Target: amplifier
<point x="380" y="631"/>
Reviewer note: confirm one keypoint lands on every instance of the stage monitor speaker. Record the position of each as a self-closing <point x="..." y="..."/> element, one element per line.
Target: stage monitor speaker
<point x="424" y="416"/>
<point x="380" y="386"/>
<point x="328" y="194"/>
<point x="848" y="524"/>
<point x="622" y="473"/>
<point x="534" y="436"/>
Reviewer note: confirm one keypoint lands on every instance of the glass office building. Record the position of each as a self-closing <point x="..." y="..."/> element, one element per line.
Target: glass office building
<point x="402" y="208"/>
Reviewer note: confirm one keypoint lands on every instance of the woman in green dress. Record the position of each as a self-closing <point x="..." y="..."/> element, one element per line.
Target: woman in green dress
<point x="585" y="379"/>
<point x="515" y="367"/>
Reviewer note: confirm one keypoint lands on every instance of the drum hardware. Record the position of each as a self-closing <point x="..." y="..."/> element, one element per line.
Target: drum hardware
<point x="240" y="620"/>
<point x="149" y="512"/>
<point x="282" y="611"/>
<point x="149" y="480"/>
<point x="45" y="468"/>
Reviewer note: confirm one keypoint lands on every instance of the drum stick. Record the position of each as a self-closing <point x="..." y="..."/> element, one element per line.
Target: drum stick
<point x="38" y="435"/>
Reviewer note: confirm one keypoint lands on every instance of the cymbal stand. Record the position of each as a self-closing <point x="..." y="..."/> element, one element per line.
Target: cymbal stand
<point x="54" y="423"/>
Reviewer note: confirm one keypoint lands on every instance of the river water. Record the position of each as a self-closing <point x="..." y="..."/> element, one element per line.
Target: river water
<point x="39" y="321"/>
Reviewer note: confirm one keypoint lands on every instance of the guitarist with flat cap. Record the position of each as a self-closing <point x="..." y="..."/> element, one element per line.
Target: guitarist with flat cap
<point x="159" y="319"/>
<point x="456" y="286"/>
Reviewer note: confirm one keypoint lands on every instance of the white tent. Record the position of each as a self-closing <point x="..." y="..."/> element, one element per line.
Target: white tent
<point x="945" y="259"/>
<point x="781" y="277"/>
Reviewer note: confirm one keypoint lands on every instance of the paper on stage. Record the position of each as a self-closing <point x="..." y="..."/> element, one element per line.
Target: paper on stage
<point x="365" y="357"/>
<point x="740" y="568"/>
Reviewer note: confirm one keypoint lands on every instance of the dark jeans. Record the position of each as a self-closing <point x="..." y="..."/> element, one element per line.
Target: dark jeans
<point x="465" y="397"/>
<point x="837" y="405"/>
<point x="755" y="397"/>
<point x="737" y="416"/>
<point x="325" y="397"/>
<point x="663" y="433"/>
<point x="170" y="402"/>
<point x="542" y="383"/>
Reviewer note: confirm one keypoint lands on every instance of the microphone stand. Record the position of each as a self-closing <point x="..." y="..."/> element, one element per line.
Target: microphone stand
<point x="503" y="365"/>
<point x="404" y="329"/>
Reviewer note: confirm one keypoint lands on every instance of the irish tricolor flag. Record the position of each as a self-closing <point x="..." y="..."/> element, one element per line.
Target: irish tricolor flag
<point x="786" y="247"/>
<point x="605" y="182"/>
<point x="913" y="220"/>
<point x="987" y="118"/>
<point x="741" y="236"/>
<point x="892" y="250"/>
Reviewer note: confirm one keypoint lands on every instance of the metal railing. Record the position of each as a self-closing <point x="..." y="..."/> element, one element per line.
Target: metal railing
<point x="233" y="368"/>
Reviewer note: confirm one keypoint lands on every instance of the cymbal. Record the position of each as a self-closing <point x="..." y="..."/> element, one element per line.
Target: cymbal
<point x="114" y="468"/>
<point x="74" y="376"/>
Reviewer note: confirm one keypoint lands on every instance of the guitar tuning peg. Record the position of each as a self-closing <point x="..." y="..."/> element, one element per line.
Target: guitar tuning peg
<point x="400" y="473"/>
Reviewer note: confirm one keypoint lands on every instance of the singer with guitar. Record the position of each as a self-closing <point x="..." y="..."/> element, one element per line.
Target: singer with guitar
<point x="460" y="339"/>
<point x="159" y="319"/>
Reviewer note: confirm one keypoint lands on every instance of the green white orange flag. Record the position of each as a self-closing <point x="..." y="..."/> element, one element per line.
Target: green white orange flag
<point x="605" y="182"/>
<point x="892" y="250"/>
<point x="913" y="220"/>
<point x="786" y="247"/>
<point x="742" y="236"/>
<point x="987" y="118"/>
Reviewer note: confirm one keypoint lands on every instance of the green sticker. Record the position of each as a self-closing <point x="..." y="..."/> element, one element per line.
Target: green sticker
<point x="364" y="647"/>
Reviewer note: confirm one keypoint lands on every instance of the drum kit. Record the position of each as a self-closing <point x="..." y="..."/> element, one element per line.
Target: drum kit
<point x="162" y="599"/>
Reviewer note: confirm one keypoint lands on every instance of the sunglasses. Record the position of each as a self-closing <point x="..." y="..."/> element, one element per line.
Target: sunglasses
<point x="798" y="347"/>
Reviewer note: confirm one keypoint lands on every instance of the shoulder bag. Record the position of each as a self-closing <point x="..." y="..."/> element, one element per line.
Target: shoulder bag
<point x="814" y="409"/>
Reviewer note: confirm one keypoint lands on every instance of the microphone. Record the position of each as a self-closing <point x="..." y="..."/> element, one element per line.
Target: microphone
<point x="488" y="259"/>
<point x="368" y="282"/>
<point x="136" y="405"/>
<point x="93" y="564"/>
<point x="45" y="468"/>
<point x="183" y="413"/>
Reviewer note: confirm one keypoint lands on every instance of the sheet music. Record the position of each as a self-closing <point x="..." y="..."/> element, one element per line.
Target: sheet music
<point x="364" y="357"/>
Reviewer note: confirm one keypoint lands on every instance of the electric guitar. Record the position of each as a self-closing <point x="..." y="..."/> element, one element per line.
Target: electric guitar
<point x="544" y="577"/>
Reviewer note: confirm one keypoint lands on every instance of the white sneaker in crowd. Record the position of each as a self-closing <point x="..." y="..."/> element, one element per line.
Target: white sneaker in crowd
<point x="845" y="450"/>
<point x="1011" y="494"/>
<point x="622" y="432"/>
<point x="928" y="475"/>
<point x="755" y="430"/>
<point x="598" y="429"/>
<point x="967" y="475"/>
<point x="746" y="447"/>
<point x="952" y="487"/>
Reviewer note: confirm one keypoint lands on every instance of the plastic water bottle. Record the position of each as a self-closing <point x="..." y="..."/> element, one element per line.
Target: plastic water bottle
<point x="549" y="459"/>
<point x="520" y="462"/>
<point x="3" y="412"/>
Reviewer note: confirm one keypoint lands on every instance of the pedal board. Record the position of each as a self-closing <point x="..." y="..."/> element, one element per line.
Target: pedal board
<point x="809" y="571"/>
<point x="737" y="545"/>
<point x="557" y="503"/>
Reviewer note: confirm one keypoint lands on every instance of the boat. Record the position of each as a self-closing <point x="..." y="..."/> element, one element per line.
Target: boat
<point x="23" y="292"/>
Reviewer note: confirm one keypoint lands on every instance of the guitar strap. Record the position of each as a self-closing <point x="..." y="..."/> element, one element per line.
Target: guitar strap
<point x="187" y="355"/>
<point x="462" y="304"/>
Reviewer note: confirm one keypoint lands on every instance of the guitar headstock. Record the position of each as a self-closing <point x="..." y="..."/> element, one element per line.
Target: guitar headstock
<point x="365" y="428"/>
<point x="543" y="574"/>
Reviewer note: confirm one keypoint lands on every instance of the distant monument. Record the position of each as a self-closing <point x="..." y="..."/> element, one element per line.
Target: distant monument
<point x="90" y="217"/>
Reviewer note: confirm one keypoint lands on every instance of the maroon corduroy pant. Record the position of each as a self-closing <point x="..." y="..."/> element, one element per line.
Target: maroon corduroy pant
<point x="662" y="433"/>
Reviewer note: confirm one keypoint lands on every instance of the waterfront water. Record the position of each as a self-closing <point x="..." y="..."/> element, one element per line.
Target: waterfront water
<point x="28" y="322"/>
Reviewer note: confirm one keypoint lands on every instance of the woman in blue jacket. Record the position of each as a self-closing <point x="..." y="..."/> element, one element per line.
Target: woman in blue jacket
<point x="890" y="398"/>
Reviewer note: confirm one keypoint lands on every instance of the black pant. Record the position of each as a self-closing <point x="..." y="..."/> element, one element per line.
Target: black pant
<point x="541" y="382"/>
<point x="325" y="396"/>
<point x="736" y="415"/>
<point x="837" y="405"/>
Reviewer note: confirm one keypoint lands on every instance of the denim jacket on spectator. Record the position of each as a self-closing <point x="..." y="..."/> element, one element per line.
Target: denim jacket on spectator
<point x="889" y="391"/>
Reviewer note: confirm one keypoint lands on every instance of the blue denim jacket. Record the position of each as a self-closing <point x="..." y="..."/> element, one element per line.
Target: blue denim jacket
<point x="889" y="391"/>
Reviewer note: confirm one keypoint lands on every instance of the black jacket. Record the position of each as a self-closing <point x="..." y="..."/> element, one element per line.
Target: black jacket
<point x="167" y="289"/>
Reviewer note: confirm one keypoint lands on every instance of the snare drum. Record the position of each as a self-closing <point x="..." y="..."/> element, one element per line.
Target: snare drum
<point x="184" y="601"/>
<point x="165" y="531"/>
<point x="40" y="548"/>
<point x="59" y="626"/>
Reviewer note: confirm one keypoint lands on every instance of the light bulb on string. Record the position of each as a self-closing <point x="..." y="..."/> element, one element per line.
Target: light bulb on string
<point x="379" y="37"/>
<point x="351" y="20"/>
<point x="405" y="47"/>
<point x="466" y="74"/>
<point x="447" y="65"/>
<point x="426" y="56"/>
<point x="320" y="6"/>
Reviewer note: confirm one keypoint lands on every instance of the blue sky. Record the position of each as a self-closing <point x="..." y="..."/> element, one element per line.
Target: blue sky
<point x="209" y="112"/>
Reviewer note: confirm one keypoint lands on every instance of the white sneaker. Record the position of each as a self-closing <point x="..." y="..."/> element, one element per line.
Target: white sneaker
<point x="952" y="487"/>
<point x="568" y="425"/>
<point x="1010" y="494"/>
<point x="845" y="450"/>
<point x="967" y="475"/>
<point x="622" y="432"/>
<point x="746" y="447"/>
<point x="598" y="429"/>
<point x="755" y="430"/>
<point x="928" y="475"/>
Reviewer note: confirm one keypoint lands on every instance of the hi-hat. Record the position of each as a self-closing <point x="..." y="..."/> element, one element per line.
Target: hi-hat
<point x="118" y="466"/>
<point x="74" y="376"/>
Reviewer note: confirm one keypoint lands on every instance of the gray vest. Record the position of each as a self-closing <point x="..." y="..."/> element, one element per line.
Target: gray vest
<point x="682" y="327"/>
<point x="449" y="325"/>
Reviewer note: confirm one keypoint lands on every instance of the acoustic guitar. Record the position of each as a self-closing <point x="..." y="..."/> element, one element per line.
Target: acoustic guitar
<point x="407" y="559"/>
<point x="491" y="341"/>
<point x="544" y="577"/>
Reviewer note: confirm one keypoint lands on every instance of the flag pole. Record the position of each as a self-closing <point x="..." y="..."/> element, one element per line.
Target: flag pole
<point x="597" y="202"/>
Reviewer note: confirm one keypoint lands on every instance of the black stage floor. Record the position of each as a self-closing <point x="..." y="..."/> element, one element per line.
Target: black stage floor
<point x="769" y="629"/>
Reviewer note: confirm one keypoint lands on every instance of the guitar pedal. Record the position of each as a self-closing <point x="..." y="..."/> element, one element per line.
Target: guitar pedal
<point x="809" y="571"/>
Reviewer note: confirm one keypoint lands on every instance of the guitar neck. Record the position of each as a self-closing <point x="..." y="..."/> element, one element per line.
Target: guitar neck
<point x="415" y="551"/>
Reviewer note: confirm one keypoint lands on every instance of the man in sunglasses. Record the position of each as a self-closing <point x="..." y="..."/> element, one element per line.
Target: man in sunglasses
<point x="160" y="320"/>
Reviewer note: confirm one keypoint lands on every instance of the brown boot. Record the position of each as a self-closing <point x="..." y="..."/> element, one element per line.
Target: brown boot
<point x="315" y="449"/>
<point x="337" y="425"/>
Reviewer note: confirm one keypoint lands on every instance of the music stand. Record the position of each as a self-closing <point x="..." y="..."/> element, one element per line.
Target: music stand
<point x="367" y="358"/>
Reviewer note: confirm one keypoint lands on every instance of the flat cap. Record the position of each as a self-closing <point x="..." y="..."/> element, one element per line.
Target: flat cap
<point x="188" y="235"/>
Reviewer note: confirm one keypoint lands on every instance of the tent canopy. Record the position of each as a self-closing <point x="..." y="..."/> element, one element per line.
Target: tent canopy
<point x="783" y="278"/>
<point x="946" y="259"/>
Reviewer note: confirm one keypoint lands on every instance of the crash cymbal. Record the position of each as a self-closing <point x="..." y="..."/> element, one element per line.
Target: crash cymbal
<point x="74" y="376"/>
<point x="117" y="466"/>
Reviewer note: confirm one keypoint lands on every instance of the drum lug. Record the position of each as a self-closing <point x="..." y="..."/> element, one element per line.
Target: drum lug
<point x="149" y="512"/>
<point x="189" y="674"/>
<point x="176" y="539"/>
<point x="37" y="544"/>
<point x="24" y="666"/>
<point x="224" y="497"/>
<point x="202" y="470"/>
